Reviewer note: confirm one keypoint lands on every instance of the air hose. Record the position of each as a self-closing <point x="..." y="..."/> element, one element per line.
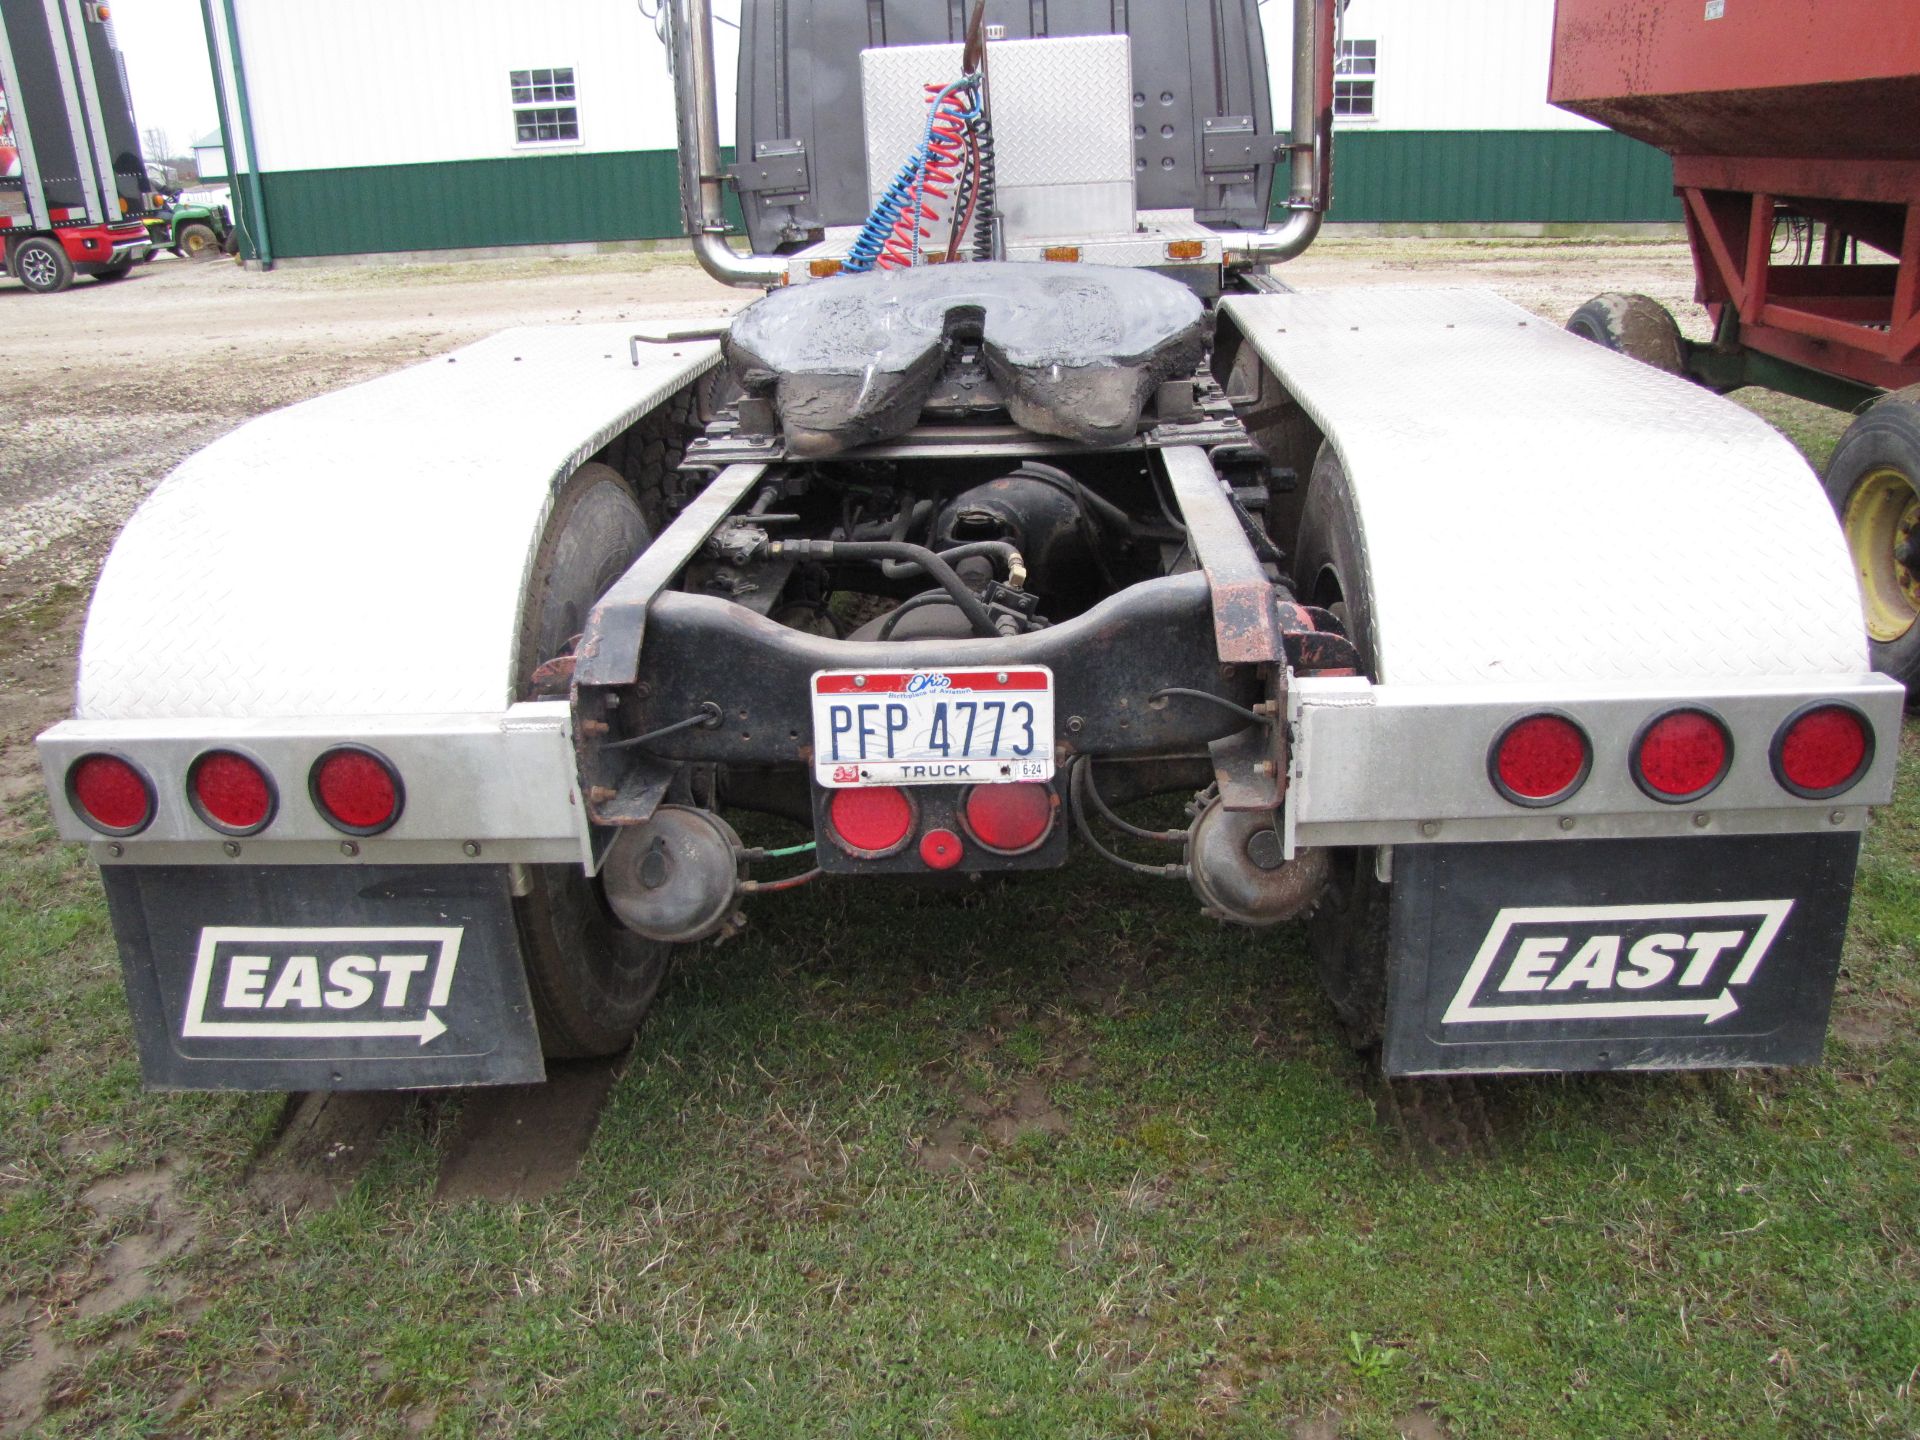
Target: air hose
<point x="891" y="235"/>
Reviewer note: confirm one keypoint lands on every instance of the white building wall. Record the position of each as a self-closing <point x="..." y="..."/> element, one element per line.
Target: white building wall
<point x="342" y="83"/>
<point x="1443" y="64"/>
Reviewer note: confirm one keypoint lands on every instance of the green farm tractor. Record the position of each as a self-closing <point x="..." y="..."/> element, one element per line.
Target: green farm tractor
<point x="191" y="230"/>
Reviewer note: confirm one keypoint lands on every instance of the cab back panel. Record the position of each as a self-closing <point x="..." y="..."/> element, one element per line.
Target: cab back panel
<point x="800" y="87"/>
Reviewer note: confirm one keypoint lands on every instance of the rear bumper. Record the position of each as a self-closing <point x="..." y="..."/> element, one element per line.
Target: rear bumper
<point x="480" y="789"/>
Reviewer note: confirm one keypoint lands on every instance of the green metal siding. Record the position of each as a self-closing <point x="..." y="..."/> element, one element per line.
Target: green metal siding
<point x="1499" y="176"/>
<point x="524" y="200"/>
<point x="1386" y="176"/>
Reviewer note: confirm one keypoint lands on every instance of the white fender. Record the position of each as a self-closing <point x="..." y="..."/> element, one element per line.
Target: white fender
<point x="364" y="552"/>
<point x="1536" y="508"/>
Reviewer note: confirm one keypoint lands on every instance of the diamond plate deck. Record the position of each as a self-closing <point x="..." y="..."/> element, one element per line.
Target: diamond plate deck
<point x="1062" y="124"/>
<point x="364" y="552"/>
<point x="1537" y="508"/>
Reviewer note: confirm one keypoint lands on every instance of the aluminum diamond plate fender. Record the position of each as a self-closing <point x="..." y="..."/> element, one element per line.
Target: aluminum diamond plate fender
<point x="1617" y="523"/>
<point x="364" y="553"/>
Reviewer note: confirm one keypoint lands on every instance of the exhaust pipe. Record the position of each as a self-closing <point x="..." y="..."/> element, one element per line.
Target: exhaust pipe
<point x="697" y="117"/>
<point x="1310" y="145"/>
<point x="696" y="110"/>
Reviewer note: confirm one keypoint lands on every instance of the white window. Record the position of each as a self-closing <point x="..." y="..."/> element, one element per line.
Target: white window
<point x="543" y="107"/>
<point x="1353" y="77"/>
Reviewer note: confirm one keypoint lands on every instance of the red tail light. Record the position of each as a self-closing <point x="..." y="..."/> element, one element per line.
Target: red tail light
<point x="871" y="821"/>
<point x="1822" y="750"/>
<point x="231" y="793"/>
<point x="1540" y="760"/>
<point x="1009" y="818"/>
<point x="110" y="794"/>
<point x="357" y="789"/>
<point x="1681" y="755"/>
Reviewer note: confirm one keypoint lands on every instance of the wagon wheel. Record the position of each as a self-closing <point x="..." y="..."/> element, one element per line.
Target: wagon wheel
<point x="1635" y="325"/>
<point x="1873" y="481"/>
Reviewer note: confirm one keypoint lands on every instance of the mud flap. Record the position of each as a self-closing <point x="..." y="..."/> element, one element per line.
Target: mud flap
<point x="292" y="977"/>
<point x="1615" y="954"/>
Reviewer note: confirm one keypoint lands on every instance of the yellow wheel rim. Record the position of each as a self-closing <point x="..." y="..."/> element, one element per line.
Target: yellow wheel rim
<point x="1882" y="516"/>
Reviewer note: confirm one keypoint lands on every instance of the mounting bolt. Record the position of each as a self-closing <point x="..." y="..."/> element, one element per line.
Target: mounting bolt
<point x="600" y="794"/>
<point x="1701" y="820"/>
<point x="1263" y="767"/>
<point x="349" y="848"/>
<point x="1836" y="817"/>
<point x="1429" y="827"/>
<point x="860" y="682"/>
<point x="1075" y="724"/>
<point x="471" y="849"/>
<point x="1566" y="822"/>
<point x="231" y="849"/>
<point x="116" y="850"/>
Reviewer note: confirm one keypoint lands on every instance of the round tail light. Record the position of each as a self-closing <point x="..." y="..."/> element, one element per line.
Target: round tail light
<point x="110" y="794"/>
<point x="231" y="793"/>
<point x="1822" y="750"/>
<point x="1009" y="818"/>
<point x="1540" y="760"/>
<point x="872" y="821"/>
<point x="357" y="789"/>
<point x="1681" y="755"/>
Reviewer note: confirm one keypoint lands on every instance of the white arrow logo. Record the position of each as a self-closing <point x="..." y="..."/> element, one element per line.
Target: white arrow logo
<point x="1531" y="963"/>
<point x="370" y="971"/>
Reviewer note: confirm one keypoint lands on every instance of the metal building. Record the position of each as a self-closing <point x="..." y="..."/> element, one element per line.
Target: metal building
<point x="398" y="126"/>
<point x="1441" y="116"/>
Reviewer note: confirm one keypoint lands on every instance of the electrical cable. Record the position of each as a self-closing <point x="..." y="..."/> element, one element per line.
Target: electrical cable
<point x="1212" y="699"/>
<point x="1106" y="812"/>
<point x="706" y="717"/>
<point x="1074" y="786"/>
<point x="791" y="882"/>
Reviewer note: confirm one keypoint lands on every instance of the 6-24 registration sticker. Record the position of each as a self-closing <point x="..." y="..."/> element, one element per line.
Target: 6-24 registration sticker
<point x="960" y="726"/>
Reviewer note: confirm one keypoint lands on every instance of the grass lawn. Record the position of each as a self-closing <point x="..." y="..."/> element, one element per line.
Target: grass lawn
<point x="1054" y="1159"/>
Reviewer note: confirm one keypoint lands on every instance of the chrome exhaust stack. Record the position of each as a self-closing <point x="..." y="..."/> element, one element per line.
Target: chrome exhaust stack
<point x="1310" y="145"/>
<point x="697" y="117"/>
<point x="696" y="110"/>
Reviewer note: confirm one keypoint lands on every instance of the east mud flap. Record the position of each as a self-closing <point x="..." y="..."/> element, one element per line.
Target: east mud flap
<point x="1615" y="954"/>
<point x="293" y="977"/>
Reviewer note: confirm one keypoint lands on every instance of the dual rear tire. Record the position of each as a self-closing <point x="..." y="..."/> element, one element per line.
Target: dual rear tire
<point x="1347" y="931"/>
<point x="591" y="979"/>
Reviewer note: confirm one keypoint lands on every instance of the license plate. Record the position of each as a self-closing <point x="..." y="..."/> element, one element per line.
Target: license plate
<point x="932" y="727"/>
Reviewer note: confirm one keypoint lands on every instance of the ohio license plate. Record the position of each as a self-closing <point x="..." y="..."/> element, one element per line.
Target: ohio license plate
<point x="932" y="727"/>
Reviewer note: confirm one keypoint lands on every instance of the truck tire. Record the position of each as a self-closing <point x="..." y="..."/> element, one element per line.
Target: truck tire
<point x="1347" y="930"/>
<point x="41" y="265"/>
<point x="1634" y="325"/>
<point x="1873" y="481"/>
<point x="197" y="242"/>
<point x="590" y="977"/>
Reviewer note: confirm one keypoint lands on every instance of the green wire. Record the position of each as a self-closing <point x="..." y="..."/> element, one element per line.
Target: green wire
<point x="790" y="850"/>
